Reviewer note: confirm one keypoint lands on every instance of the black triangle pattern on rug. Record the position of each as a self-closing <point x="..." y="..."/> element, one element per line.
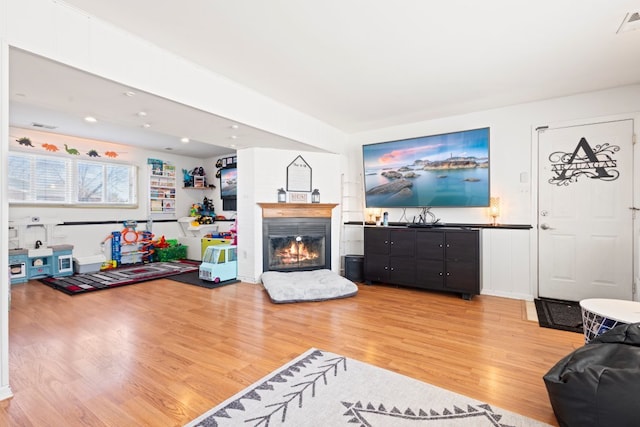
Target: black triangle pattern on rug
<point x="559" y="314"/>
<point x="361" y="414"/>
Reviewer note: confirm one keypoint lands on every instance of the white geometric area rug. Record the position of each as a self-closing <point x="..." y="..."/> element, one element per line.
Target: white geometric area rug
<point x="322" y="389"/>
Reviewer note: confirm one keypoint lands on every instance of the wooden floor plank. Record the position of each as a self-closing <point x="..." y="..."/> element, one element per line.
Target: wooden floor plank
<point x="163" y="352"/>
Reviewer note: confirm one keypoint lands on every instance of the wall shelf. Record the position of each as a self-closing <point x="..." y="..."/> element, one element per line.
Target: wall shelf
<point x="162" y="188"/>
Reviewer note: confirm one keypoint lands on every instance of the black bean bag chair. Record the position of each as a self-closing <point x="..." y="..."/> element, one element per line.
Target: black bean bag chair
<point x="599" y="383"/>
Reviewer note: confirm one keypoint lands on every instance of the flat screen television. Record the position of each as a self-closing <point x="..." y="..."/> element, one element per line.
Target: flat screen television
<point x="446" y="170"/>
<point x="228" y="183"/>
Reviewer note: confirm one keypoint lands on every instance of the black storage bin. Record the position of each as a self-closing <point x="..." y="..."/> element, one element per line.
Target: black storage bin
<point x="354" y="267"/>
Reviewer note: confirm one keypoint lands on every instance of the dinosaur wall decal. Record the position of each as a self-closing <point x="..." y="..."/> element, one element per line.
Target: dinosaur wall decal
<point x="71" y="150"/>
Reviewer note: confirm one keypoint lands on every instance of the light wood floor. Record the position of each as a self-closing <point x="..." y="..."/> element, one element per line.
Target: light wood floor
<point x="161" y="353"/>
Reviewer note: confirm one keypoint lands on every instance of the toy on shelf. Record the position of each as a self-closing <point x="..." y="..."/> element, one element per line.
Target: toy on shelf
<point x="187" y="179"/>
<point x="208" y="208"/>
<point x="194" y="178"/>
<point x="234" y="231"/>
<point x="202" y="213"/>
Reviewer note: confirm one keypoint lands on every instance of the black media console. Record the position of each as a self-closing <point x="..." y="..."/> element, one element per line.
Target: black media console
<point x="436" y="258"/>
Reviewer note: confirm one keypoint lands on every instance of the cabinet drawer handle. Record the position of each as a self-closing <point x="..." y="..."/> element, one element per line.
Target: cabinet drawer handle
<point x="440" y="245"/>
<point x="448" y="274"/>
<point x="448" y="246"/>
<point x="386" y="242"/>
<point x="440" y="273"/>
<point x="386" y="268"/>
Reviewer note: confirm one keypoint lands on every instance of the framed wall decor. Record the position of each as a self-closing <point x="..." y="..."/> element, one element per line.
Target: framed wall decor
<point x="295" y="197"/>
<point x="299" y="175"/>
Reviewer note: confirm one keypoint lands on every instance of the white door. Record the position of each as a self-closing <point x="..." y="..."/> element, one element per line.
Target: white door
<point x="585" y="224"/>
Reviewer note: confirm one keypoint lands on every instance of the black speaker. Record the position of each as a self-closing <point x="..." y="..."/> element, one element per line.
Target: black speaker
<point x="354" y="267"/>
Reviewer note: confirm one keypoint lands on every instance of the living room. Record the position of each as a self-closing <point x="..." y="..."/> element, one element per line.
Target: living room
<point x="509" y="256"/>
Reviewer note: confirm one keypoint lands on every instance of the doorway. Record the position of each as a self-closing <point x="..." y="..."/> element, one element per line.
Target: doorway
<point x="585" y="215"/>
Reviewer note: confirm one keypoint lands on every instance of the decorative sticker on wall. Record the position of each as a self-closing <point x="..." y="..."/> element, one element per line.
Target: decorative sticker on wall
<point x="25" y="143"/>
<point x="595" y="163"/>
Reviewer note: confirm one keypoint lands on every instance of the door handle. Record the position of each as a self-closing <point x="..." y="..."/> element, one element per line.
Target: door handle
<point x="545" y="227"/>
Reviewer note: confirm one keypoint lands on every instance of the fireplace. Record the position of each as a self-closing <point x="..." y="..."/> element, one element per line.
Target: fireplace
<point x="296" y="236"/>
<point x="291" y="244"/>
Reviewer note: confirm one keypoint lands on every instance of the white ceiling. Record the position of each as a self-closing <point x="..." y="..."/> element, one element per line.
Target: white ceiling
<point x="48" y="93"/>
<point x="364" y="64"/>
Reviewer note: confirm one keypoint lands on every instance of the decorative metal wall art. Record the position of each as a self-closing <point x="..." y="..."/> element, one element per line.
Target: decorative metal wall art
<point x="594" y="163"/>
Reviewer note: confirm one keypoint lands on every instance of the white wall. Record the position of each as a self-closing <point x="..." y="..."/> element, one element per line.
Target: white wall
<point x="512" y="147"/>
<point x="262" y="173"/>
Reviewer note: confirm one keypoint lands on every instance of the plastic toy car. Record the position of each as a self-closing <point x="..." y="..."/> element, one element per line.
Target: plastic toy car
<point x="219" y="263"/>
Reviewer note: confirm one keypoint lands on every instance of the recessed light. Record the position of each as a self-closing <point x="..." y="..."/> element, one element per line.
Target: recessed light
<point x="234" y="126"/>
<point x="90" y="119"/>
<point x="141" y="114"/>
<point x="146" y="125"/>
<point x="129" y="93"/>
<point x="184" y="140"/>
<point x="233" y="137"/>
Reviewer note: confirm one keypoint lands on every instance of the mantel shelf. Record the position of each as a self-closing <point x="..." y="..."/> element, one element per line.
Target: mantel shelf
<point x="297" y="210"/>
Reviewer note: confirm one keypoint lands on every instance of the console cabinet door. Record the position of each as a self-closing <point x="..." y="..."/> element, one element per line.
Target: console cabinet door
<point x="462" y="262"/>
<point x="430" y="274"/>
<point x="430" y="260"/>
<point x="376" y="254"/>
<point x="376" y="241"/>
<point x="402" y="271"/>
<point x="402" y="243"/>
<point x="376" y="267"/>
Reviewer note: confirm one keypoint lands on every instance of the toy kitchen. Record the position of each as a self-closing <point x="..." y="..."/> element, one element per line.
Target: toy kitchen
<point x="32" y="254"/>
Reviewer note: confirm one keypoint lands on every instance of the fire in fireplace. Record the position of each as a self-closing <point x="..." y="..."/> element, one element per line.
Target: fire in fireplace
<point x="292" y="244"/>
<point x="296" y="252"/>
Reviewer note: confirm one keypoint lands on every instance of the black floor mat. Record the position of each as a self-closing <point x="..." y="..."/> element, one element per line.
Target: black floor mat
<point x="558" y="314"/>
<point x="192" y="278"/>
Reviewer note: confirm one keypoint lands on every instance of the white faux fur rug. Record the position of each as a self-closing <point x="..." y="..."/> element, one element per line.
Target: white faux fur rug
<point x="321" y="389"/>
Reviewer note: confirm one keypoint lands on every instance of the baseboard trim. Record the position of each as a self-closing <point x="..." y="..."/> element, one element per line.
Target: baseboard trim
<point x="5" y="393"/>
<point x="512" y="295"/>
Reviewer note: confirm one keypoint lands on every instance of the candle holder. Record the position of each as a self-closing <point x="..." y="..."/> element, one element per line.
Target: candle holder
<point x="282" y="195"/>
<point x="494" y="209"/>
<point x="315" y="196"/>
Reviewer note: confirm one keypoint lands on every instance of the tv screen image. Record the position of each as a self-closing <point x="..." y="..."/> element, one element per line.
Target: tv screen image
<point x="228" y="183"/>
<point x="446" y="170"/>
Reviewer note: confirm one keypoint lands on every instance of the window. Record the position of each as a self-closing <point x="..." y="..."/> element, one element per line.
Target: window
<point x="35" y="179"/>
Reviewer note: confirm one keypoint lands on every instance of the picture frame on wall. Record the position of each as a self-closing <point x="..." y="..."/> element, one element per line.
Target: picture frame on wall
<point x="299" y="175"/>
